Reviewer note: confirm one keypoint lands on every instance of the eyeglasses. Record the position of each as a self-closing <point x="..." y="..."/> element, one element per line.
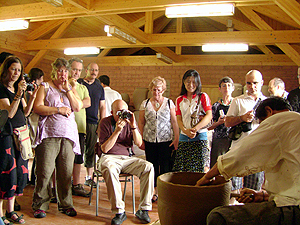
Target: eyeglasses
<point x="93" y="70"/>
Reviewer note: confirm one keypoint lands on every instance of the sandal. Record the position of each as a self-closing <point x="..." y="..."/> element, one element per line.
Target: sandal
<point x="154" y="198"/>
<point x="10" y="215"/>
<point x="6" y="223"/>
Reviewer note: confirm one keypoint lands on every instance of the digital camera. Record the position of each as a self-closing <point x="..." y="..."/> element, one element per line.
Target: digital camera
<point x="124" y="114"/>
<point x="30" y="86"/>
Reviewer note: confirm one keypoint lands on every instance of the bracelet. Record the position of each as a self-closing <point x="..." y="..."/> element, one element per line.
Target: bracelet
<point x="68" y="90"/>
<point x="241" y="118"/>
<point x="132" y="128"/>
<point x="57" y="109"/>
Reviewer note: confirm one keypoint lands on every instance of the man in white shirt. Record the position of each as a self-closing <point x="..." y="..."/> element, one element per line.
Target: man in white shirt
<point x="274" y="148"/>
<point x="241" y="111"/>
<point x="277" y="88"/>
<point x="110" y="94"/>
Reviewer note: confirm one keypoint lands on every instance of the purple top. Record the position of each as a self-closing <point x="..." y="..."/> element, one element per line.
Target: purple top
<point x="58" y="125"/>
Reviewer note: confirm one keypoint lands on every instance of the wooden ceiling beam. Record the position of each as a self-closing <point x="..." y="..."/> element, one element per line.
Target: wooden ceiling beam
<point x="160" y="26"/>
<point x="81" y="4"/>
<point x="42" y="11"/>
<point x="191" y="60"/>
<point x="290" y="7"/>
<point x="40" y="55"/>
<point x="178" y="48"/>
<point x="172" y="39"/>
<point x="276" y="13"/>
<point x="44" y="29"/>
<point x="262" y="25"/>
<point x="141" y="21"/>
<point x="148" y="23"/>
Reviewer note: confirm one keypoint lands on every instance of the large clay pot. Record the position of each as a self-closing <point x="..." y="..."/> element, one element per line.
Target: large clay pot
<point x="180" y="202"/>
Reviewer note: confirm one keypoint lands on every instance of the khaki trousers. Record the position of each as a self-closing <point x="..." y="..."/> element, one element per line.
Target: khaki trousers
<point x="50" y="154"/>
<point x="112" y="165"/>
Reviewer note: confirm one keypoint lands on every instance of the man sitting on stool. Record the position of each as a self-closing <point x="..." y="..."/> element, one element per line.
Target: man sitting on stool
<point x="116" y="136"/>
<point x="274" y="148"/>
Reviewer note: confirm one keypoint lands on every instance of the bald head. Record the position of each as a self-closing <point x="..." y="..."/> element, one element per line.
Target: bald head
<point x="254" y="82"/>
<point x="116" y="106"/>
<point x="276" y="87"/>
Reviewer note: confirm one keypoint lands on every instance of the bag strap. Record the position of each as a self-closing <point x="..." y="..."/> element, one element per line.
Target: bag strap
<point x="147" y="102"/>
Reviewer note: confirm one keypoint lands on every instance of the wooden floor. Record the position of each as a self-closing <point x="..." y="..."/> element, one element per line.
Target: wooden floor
<point x="85" y="212"/>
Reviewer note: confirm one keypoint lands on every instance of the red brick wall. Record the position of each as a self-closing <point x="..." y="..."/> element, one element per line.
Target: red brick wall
<point x="125" y="79"/>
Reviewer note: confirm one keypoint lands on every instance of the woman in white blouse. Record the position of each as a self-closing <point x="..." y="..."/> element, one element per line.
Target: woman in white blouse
<point x="158" y="125"/>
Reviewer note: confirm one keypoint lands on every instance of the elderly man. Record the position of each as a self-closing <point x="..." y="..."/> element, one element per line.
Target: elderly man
<point x="294" y="96"/>
<point x="274" y="148"/>
<point x="117" y="134"/>
<point x="97" y="107"/>
<point x="241" y="112"/>
<point x="277" y="88"/>
<point x="80" y="118"/>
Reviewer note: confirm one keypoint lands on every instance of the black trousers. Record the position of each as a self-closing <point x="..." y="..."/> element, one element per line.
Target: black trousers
<point x="159" y="154"/>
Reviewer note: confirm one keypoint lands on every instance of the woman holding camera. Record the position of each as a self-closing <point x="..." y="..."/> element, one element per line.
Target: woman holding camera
<point x="157" y="124"/>
<point x="57" y="140"/>
<point x="14" y="177"/>
<point x="192" y="154"/>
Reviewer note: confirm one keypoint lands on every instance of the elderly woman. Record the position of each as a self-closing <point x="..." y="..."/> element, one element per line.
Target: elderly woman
<point x="156" y="120"/>
<point x="192" y="150"/>
<point x="56" y="140"/>
<point x="14" y="177"/>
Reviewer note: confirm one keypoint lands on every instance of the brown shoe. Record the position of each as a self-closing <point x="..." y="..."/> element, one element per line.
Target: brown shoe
<point x="78" y="190"/>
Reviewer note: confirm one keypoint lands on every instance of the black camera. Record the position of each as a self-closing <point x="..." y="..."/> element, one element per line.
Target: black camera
<point x="30" y="86"/>
<point x="124" y="114"/>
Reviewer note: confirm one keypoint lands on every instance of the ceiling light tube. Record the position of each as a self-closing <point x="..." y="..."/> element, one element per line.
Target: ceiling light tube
<point x="116" y="32"/>
<point x="195" y="10"/>
<point x="225" y="47"/>
<point x="82" y="51"/>
<point x="164" y="58"/>
<point x="13" y="25"/>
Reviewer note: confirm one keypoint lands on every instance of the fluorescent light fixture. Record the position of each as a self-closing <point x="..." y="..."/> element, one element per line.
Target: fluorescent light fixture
<point x="82" y="51"/>
<point x="226" y="47"/>
<point x="106" y="29"/>
<point x="116" y="32"/>
<point x="56" y="3"/>
<point x="13" y="25"/>
<point x="194" y="10"/>
<point x="164" y="58"/>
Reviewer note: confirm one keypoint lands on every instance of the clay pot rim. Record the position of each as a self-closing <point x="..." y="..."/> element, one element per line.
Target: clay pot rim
<point x="189" y="186"/>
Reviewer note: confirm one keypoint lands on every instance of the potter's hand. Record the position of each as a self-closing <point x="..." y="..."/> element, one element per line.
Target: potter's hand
<point x="203" y="181"/>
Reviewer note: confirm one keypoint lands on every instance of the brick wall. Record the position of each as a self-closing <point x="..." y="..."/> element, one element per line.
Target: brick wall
<point x="126" y="79"/>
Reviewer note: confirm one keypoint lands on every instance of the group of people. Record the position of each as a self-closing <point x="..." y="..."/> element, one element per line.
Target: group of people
<point x="74" y="112"/>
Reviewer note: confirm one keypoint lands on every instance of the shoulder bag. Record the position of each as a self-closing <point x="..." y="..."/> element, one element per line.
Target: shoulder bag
<point x="22" y="141"/>
<point x="198" y="115"/>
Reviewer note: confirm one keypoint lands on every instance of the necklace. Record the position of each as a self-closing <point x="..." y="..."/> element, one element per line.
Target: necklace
<point x="222" y="102"/>
<point x="157" y="104"/>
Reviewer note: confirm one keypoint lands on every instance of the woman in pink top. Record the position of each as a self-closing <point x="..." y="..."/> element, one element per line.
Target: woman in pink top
<point x="56" y="140"/>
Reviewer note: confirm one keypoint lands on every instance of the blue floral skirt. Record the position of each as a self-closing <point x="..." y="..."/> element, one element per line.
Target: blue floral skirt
<point x="191" y="156"/>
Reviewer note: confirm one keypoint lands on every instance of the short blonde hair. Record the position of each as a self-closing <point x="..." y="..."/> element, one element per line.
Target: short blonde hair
<point x="156" y="82"/>
<point x="57" y="64"/>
